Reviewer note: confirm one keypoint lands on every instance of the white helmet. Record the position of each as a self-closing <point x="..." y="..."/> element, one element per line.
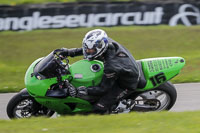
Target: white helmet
<point x="95" y="44"/>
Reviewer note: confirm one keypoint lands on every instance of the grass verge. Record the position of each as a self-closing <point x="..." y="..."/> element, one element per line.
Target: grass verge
<point x="160" y="122"/>
<point x="19" y="49"/>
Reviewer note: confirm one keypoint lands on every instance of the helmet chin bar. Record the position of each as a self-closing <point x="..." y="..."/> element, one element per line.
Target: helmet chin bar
<point x="98" y="56"/>
<point x="91" y="51"/>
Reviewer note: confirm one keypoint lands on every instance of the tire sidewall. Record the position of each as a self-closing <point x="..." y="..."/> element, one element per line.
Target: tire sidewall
<point x="170" y="89"/>
<point x="13" y="103"/>
<point x="167" y="87"/>
<point x="16" y="100"/>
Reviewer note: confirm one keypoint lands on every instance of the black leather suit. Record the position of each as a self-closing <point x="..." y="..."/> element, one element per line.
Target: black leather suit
<point x="120" y="73"/>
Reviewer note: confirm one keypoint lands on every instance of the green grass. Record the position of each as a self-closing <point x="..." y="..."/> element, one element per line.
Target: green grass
<point x="160" y="122"/>
<point x="19" y="49"/>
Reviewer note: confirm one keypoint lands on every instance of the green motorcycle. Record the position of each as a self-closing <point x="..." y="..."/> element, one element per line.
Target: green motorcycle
<point x="47" y="81"/>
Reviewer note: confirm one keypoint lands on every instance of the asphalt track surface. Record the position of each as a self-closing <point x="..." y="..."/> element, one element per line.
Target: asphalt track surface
<point x="188" y="99"/>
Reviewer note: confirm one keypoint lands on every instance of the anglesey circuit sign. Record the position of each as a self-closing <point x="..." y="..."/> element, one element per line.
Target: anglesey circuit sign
<point x="186" y="14"/>
<point x="37" y="21"/>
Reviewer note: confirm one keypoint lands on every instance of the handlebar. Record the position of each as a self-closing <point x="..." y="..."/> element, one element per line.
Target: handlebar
<point x="57" y="50"/>
<point x="59" y="58"/>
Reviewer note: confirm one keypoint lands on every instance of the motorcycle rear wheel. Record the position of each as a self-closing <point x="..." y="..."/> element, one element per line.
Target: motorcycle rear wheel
<point x="157" y="99"/>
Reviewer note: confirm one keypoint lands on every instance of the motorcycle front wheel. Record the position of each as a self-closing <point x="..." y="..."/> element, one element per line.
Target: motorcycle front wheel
<point x="21" y="106"/>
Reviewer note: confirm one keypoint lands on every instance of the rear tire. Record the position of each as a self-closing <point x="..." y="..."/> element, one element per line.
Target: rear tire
<point x="167" y="89"/>
<point x="24" y="106"/>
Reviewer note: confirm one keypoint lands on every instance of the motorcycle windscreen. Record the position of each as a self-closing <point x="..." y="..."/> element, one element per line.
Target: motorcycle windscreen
<point x="47" y="67"/>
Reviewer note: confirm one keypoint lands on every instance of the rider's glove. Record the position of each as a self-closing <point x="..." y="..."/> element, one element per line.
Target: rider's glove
<point x="72" y="90"/>
<point x="81" y="91"/>
<point x="64" y="52"/>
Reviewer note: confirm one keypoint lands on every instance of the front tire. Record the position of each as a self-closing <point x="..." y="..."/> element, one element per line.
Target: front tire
<point x="24" y="106"/>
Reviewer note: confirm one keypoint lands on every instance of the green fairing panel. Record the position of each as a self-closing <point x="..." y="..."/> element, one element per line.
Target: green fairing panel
<point x="38" y="88"/>
<point x="66" y="105"/>
<point x="159" y="70"/>
<point x="83" y="74"/>
<point x="34" y="85"/>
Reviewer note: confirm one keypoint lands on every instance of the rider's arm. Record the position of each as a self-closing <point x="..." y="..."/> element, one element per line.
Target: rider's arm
<point x="75" y="52"/>
<point x="108" y="81"/>
<point x="72" y="52"/>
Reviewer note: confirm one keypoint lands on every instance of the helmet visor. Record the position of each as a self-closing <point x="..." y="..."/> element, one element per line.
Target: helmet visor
<point x="92" y="51"/>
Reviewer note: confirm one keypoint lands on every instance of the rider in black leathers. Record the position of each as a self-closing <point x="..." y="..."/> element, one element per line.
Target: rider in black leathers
<point x="120" y="75"/>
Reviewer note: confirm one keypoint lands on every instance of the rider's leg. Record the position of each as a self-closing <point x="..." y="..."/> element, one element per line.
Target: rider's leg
<point x="109" y="99"/>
